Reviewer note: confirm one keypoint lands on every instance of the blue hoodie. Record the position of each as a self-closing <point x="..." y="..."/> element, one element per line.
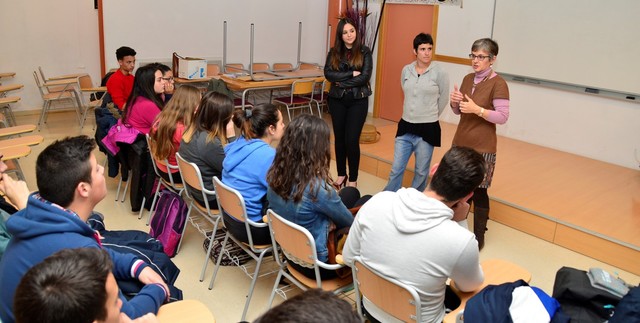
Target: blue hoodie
<point x="40" y="230"/>
<point x="245" y="169"/>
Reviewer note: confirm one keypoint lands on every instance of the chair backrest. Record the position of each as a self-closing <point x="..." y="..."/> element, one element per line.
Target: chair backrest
<point x="230" y="200"/>
<point x="301" y="87"/>
<point x="38" y="84"/>
<point x="294" y="240"/>
<point x="164" y="162"/>
<point x="85" y="82"/>
<point x="259" y="67"/>
<point x="308" y="66"/>
<point x="191" y="176"/>
<point x="44" y="79"/>
<point x="213" y="69"/>
<point x="390" y="295"/>
<point x="234" y="68"/>
<point x="282" y="66"/>
<point x="326" y="86"/>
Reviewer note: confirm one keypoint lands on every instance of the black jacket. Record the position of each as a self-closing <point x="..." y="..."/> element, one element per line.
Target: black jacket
<point x="342" y="79"/>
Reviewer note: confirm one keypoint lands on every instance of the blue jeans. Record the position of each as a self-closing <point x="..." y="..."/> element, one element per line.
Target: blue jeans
<point x="404" y="146"/>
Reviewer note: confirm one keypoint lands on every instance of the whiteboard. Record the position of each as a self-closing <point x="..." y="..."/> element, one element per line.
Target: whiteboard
<point x="582" y="42"/>
<point x="157" y="28"/>
<point x="459" y="27"/>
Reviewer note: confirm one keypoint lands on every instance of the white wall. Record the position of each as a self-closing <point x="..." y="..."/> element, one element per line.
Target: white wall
<point x="61" y="36"/>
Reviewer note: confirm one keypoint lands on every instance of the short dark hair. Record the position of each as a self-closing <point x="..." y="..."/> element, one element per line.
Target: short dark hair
<point x="422" y="38"/>
<point x="460" y="172"/>
<point x="312" y="306"/>
<point x="124" y="51"/>
<point x="68" y="286"/>
<point x="62" y="166"/>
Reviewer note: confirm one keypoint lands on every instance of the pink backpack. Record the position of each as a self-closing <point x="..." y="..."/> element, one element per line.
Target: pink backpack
<point x="169" y="220"/>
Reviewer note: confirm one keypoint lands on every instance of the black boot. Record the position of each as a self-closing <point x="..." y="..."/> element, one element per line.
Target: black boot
<point x="480" y="217"/>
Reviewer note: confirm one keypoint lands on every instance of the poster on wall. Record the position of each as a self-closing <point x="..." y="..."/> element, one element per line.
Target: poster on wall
<point x="431" y="2"/>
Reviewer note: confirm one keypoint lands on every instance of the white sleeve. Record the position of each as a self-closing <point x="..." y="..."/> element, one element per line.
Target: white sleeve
<point x="467" y="273"/>
<point x="352" y="245"/>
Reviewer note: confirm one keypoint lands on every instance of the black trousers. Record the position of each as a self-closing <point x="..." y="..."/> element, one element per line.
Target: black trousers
<point x="348" y="116"/>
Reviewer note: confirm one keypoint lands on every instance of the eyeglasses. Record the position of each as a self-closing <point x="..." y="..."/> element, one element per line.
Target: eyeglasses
<point x="168" y="79"/>
<point x="479" y="57"/>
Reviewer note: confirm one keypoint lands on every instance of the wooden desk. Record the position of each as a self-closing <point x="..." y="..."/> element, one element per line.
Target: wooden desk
<point x="245" y="84"/>
<point x="185" y="311"/>
<point x="11" y="87"/>
<point x="496" y="271"/>
<point x="15" y="152"/>
<point x="30" y="140"/>
<point x="10" y="131"/>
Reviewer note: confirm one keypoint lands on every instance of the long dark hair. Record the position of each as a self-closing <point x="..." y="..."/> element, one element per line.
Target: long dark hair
<point x="143" y="87"/>
<point x="254" y="122"/>
<point x="303" y="155"/>
<point x="213" y="115"/>
<point x="339" y="50"/>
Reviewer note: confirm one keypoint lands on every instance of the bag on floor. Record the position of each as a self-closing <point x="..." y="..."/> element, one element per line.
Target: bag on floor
<point x="580" y="299"/>
<point x="237" y="254"/>
<point x="169" y="220"/>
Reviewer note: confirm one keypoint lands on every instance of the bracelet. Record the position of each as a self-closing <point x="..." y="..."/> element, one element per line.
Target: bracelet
<point x="481" y="112"/>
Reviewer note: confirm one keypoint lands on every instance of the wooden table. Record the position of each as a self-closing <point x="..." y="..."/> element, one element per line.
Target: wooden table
<point x="185" y="311"/>
<point x="30" y="140"/>
<point x="15" y="152"/>
<point x="268" y="81"/>
<point x="496" y="271"/>
<point x="10" y="131"/>
<point x="11" y="87"/>
<point x="7" y="74"/>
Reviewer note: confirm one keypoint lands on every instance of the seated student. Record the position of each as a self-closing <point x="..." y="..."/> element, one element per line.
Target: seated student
<point x="71" y="184"/>
<point x="72" y="285"/>
<point x="169" y="126"/>
<point x="312" y="306"/>
<point x="246" y="164"/>
<point x="300" y="187"/>
<point x="145" y="101"/>
<point x="120" y="83"/>
<point x="204" y="140"/>
<point x="169" y="85"/>
<point x="414" y="237"/>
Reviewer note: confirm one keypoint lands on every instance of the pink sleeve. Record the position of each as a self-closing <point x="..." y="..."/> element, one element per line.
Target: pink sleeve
<point x="501" y="113"/>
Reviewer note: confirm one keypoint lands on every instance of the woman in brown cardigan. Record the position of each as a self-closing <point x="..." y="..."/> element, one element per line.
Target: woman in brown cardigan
<point x="482" y="101"/>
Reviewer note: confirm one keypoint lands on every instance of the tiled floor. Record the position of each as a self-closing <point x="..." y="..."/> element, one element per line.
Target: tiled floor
<point x="226" y="300"/>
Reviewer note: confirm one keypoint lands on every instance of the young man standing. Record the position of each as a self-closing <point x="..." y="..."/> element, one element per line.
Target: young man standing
<point x="120" y="83"/>
<point x="422" y="244"/>
<point x="71" y="184"/>
<point x="72" y="285"/>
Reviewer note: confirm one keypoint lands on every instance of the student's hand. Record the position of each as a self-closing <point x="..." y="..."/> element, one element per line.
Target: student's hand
<point x="460" y="210"/>
<point x="169" y="88"/>
<point x="231" y="130"/>
<point x="149" y="276"/>
<point x="356" y="73"/>
<point x="147" y="318"/>
<point x="456" y="96"/>
<point x="16" y="191"/>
